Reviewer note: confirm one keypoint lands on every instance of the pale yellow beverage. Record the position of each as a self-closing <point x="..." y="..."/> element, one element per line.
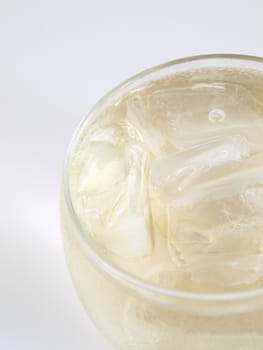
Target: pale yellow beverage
<point x="162" y="208"/>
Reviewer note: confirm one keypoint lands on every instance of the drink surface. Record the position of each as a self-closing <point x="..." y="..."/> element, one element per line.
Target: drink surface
<point x="169" y="181"/>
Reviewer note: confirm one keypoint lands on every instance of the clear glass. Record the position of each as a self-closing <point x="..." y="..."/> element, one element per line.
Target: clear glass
<point x="132" y="313"/>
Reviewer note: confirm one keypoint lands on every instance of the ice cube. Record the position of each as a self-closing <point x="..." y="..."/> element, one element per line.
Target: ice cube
<point x="103" y="168"/>
<point x="100" y="148"/>
<point x="174" y="174"/>
<point x="227" y="254"/>
<point x="211" y="229"/>
<point x="115" y="208"/>
<point x="141" y="125"/>
<point x="213" y="195"/>
<point x="196" y="113"/>
<point x="247" y="173"/>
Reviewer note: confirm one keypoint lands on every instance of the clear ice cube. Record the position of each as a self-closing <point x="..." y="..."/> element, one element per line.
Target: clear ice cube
<point x="202" y="111"/>
<point x="112" y="198"/>
<point x="101" y="158"/>
<point x="176" y="173"/>
<point x="214" y="195"/>
<point x="226" y="254"/>
<point x="244" y="174"/>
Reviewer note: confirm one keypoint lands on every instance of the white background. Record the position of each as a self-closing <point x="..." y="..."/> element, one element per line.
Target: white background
<point x="57" y="58"/>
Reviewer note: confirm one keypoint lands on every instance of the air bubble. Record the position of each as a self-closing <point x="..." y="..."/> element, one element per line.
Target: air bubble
<point x="216" y="115"/>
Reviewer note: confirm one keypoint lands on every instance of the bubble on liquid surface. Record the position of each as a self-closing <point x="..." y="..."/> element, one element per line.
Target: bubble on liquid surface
<point x="217" y="115"/>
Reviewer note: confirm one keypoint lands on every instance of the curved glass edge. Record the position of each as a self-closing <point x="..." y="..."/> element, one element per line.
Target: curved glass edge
<point x="87" y="243"/>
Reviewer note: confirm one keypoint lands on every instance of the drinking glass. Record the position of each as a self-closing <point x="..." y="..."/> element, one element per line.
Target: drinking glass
<point x="135" y="314"/>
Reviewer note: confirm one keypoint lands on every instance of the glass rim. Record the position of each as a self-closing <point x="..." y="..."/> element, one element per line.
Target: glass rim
<point x="84" y="239"/>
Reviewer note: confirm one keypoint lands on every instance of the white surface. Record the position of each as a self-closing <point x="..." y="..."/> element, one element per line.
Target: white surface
<point x="57" y="58"/>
